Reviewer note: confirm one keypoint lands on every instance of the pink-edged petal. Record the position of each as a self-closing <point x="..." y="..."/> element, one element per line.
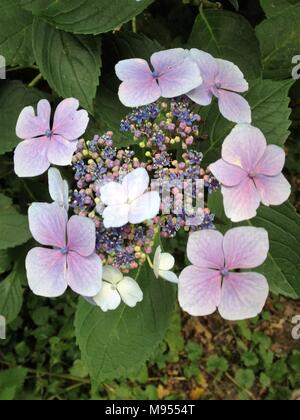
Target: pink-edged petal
<point x="230" y="77"/>
<point x="177" y="73"/>
<point x="113" y="194"/>
<point x="61" y="151"/>
<point x="227" y="174"/>
<point x="199" y="291"/>
<point x="108" y="299"/>
<point x="48" y="224"/>
<point x="273" y="190"/>
<point x="234" y="107"/>
<point x="241" y="202"/>
<point x="138" y="92"/>
<point x="29" y="125"/>
<point x="205" y="249"/>
<point x="207" y="65"/>
<point x="132" y="69"/>
<point x="136" y="183"/>
<point x="84" y="274"/>
<point x="245" y="247"/>
<point x="68" y="122"/>
<point x="31" y="157"/>
<point x="144" y="208"/>
<point x="81" y="233"/>
<point x="272" y="162"/>
<point x="243" y="296"/>
<point x="201" y="95"/>
<point x="46" y="272"/>
<point x="116" y="216"/>
<point x="244" y="147"/>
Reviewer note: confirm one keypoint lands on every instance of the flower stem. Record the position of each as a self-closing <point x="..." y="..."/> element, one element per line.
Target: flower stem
<point x="134" y="25"/>
<point x="150" y="262"/>
<point x="36" y="80"/>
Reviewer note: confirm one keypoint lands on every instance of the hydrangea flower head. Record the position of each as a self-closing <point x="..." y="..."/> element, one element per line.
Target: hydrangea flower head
<point x="71" y="260"/>
<point x="250" y="173"/>
<point x="212" y="281"/>
<point x="223" y="80"/>
<point x="117" y="288"/>
<point x="129" y="201"/>
<point x="173" y="74"/>
<point x="44" y="145"/>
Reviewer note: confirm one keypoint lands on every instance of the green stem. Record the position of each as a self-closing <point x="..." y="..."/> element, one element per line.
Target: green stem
<point x="33" y="67"/>
<point x="134" y="25"/>
<point x="36" y="80"/>
<point x="150" y="262"/>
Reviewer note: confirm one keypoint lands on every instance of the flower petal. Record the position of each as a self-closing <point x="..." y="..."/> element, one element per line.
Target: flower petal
<point x="169" y="276"/>
<point x="58" y="188"/>
<point x="130" y="292"/>
<point x="202" y="95"/>
<point x="116" y="216"/>
<point x="178" y="74"/>
<point x="144" y="208"/>
<point x="132" y="68"/>
<point x="207" y="64"/>
<point x="48" y="223"/>
<point x="234" y="107"/>
<point x="241" y="202"/>
<point x="113" y="194"/>
<point x="199" y="291"/>
<point x="136" y="183"/>
<point x="68" y="122"/>
<point x="46" y="272"/>
<point x="243" y="296"/>
<point x="31" y="157"/>
<point x="244" y="147"/>
<point x="230" y="77"/>
<point x="227" y="174"/>
<point x="112" y="275"/>
<point x="272" y="162"/>
<point x="81" y="235"/>
<point x="29" y="125"/>
<point x="61" y="151"/>
<point x="167" y="261"/>
<point x="84" y="274"/>
<point x="108" y="298"/>
<point x="156" y="261"/>
<point x="245" y="247"/>
<point x="205" y="249"/>
<point x="274" y="190"/>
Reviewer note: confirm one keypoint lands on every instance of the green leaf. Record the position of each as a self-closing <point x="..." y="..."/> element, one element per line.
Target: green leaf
<point x="5" y="261"/>
<point x="217" y="364"/>
<point x="11" y="381"/>
<point x="13" y="225"/>
<point x="279" y="38"/>
<point x="70" y="63"/>
<point x="14" y="96"/>
<point x="86" y="16"/>
<point x="115" y="343"/>
<point x="245" y="378"/>
<point x="282" y="268"/>
<point x="229" y="36"/>
<point x="276" y="7"/>
<point x="15" y="34"/>
<point x="11" y="297"/>
<point x="270" y="112"/>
